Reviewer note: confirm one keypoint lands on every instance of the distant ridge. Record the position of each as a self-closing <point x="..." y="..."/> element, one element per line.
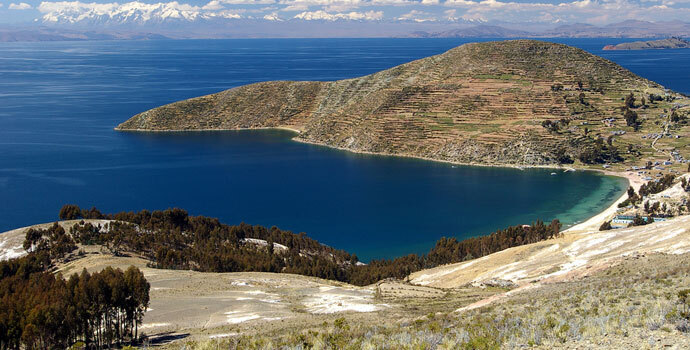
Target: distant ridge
<point x="158" y="24"/>
<point x="625" y="29"/>
<point x="51" y="34"/>
<point x="479" y="31"/>
<point x="670" y="43"/>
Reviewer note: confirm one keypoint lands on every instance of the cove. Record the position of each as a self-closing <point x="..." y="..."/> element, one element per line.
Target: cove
<point x="60" y="101"/>
<point x="374" y="206"/>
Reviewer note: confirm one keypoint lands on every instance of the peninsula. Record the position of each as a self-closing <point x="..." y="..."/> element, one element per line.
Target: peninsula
<point x="671" y="43"/>
<point x="519" y="102"/>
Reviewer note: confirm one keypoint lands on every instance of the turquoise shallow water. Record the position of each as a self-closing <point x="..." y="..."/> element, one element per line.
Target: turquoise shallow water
<point x="60" y="101"/>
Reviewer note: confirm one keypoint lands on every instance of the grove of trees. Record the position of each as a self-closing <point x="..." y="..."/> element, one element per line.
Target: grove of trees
<point x="172" y="239"/>
<point x="42" y="310"/>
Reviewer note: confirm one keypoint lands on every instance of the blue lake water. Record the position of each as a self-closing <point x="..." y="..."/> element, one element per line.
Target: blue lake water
<point x="60" y="101"/>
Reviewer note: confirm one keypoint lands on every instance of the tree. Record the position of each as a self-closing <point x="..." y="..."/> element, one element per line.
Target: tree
<point x="631" y="119"/>
<point x="606" y="225"/>
<point x="138" y="300"/>
<point x="638" y="221"/>
<point x="581" y="98"/>
<point x="42" y="310"/>
<point x="549" y="125"/>
<point x="70" y="212"/>
<point x="562" y="156"/>
<point x="675" y="117"/>
<point x="598" y="152"/>
<point x="630" y="101"/>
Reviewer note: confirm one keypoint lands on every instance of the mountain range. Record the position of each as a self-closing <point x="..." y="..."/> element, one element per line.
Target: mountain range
<point x="157" y="22"/>
<point x="625" y="29"/>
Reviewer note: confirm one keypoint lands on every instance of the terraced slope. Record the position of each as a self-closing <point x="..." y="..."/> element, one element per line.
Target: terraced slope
<point x="477" y="103"/>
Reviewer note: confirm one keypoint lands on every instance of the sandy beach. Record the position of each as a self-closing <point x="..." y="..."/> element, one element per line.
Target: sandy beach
<point x="593" y="223"/>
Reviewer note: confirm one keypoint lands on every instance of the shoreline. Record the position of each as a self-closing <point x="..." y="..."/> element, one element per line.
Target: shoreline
<point x="400" y="155"/>
<point x="591" y="224"/>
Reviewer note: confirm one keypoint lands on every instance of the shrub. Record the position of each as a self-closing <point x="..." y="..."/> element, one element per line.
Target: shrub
<point x="605" y="226"/>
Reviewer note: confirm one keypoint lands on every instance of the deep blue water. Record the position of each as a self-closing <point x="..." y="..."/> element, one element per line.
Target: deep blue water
<point x="60" y="101"/>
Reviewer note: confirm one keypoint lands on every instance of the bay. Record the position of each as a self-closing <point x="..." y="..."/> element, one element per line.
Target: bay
<point x="59" y="102"/>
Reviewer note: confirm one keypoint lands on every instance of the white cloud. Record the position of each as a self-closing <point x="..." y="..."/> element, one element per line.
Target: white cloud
<point x="213" y="5"/>
<point x="321" y="2"/>
<point x="325" y="16"/>
<point x="229" y="14"/>
<point x="300" y="7"/>
<point x="417" y="16"/>
<point x="19" y="6"/>
<point x="394" y="2"/>
<point x="589" y="11"/>
<point x="352" y="3"/>
<point x="248" y="2"/>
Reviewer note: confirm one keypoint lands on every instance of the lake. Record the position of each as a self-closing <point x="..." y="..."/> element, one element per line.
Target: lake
<point x="59" y="102"/>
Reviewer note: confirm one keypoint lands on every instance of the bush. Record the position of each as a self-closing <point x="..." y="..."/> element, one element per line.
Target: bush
<point x="70" y="212"/>
<point x="605" y="226"/>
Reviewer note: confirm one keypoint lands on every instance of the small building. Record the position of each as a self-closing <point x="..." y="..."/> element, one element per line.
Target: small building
<point x="620" y="221"/>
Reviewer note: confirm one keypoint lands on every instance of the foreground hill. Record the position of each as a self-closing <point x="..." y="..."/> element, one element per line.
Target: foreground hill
<point x="610" y="289"/>
<point x="509" y="102"/>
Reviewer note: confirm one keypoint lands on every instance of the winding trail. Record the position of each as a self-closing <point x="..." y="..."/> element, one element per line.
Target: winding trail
<point x="665" y="131"/>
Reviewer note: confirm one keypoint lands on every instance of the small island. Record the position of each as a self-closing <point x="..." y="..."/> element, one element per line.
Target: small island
<point x="670" y="43"/>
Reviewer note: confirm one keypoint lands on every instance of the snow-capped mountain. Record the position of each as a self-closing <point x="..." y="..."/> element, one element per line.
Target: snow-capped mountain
<point x="126" y="13"/>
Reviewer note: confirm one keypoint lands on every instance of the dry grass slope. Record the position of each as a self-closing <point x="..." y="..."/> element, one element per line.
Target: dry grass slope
<point x="633" y="305"/>
<point x="478" y="103"/>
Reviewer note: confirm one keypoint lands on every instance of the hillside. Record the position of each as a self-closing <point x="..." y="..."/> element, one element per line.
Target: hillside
<point x="519" y="102"/>
<point x="587" y="289"/>
<point x="612" y="287"/>
<point x="670" y="43"/>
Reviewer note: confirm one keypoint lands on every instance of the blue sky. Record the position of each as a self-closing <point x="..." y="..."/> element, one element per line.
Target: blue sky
<point x="536" y="11"/>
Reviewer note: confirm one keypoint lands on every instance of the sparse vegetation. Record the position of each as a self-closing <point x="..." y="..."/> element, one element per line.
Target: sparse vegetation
<point x="619" y="307"/>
